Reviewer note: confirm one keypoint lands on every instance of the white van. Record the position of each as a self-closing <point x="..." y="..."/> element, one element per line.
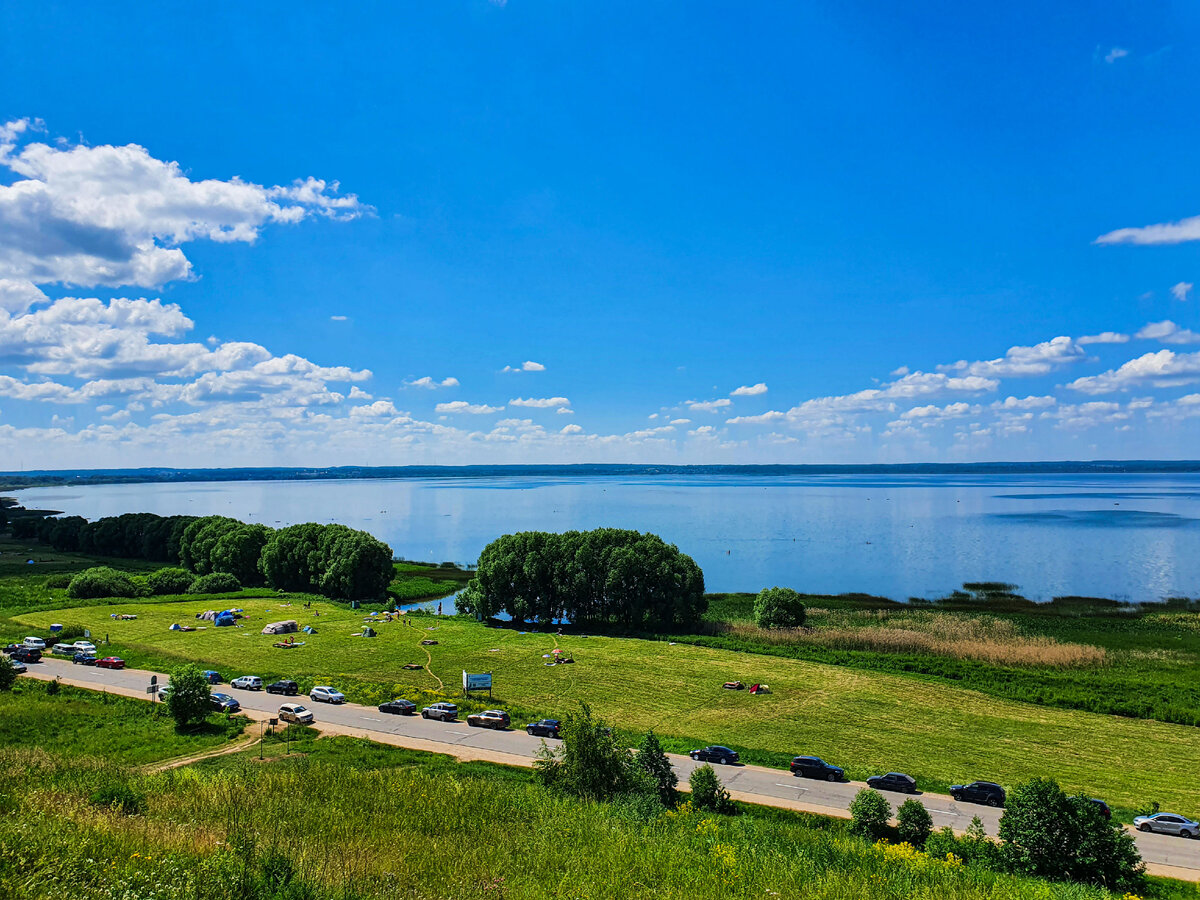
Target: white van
<point x="85" y="646"/>
<point x="34" y="643"/>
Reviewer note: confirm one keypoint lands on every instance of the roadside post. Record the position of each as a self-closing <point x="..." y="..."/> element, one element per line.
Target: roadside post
<point x="153" y="689"/>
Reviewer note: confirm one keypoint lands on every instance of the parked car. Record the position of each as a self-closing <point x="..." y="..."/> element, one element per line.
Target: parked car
<point x="18" y="667"/>
<point x="815" y="767"/>
<point x="893" y="781"/>
<point x="489" y="718"/>
<point x="446" y="712"/>
<point x="83" y="659"/>
<point x="85" y="646"/>
<point x="1103" y="807"/>
<point x="247" y="683"/>
<point x="398" y="707"/>
<point x="544" y="728"/>
<point x="294" y="712"/>
<point x="63" y="650"/>
<point x="224" y="703"/>
<point x="979" y="792"/>
<point x="164" y="692"/>
<point x="34" y="643"/>
<point x="323" y="693"/>
<point x="111" y="662"/>
<point x="716" y="753"/>
<point x="10" y="649"/>
<point x="283" y="686"/>
<point x="27" y="655"/>
<point x="1168" y="823"/>
<point x="211" y="677"/>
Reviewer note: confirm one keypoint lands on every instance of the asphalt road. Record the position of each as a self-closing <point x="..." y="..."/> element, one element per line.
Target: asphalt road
<point x="1164" y="855"/>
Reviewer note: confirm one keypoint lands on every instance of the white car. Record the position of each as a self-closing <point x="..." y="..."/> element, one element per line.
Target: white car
<point x="85" y="646"/>
<point x="323" y="693"/>
<point x="294" y="712"/>
<point x="34" y="643"/>
<point x="247" y="683"/>
<point x="63" y="650"/>
<point x="164" y="692"/>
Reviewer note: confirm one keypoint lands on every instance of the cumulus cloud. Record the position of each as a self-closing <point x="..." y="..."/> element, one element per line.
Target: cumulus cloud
<point x="565" y="411"/>
<point x="429" y="383"/>
<point x="1147" y="235"/>
<point x="1030" y="402"/>
<point x="339" y="318"/>
<point x="1167" y="332"/>
<point x="540" y="402"/>
<point x="752" y="390"/>
<point x="1104" y="337"/>
<point x="528" y="366"/>
<point x="708" y="405"/>
<point x="571" y="429"/>
<point x="760" y="419"/>
<point x="1166" y="368"/>
<point x="376" y="410"/>
<point x="1024" y="361"/>
<point x="462" y="406"/>
<point x="1182" y="290"/>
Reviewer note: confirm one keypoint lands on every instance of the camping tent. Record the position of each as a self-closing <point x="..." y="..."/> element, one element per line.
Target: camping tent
<point x="225" y="618"/>
<point x="287" y="627"/>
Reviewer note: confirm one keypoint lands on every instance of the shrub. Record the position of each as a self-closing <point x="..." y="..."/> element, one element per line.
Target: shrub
<point x="7" y="673"/>
<point x="53" y="687"/>
<point x="778" y="608"/>
<point x="170" y="580"/>
<point x="118" y="796"/>
<point x="869" y="814"/>
<point x="974" y="848"/>
<point x="914" y="823"/>
<point x="215" y="583"/>
<point x="708" y="792"/>
<point x="101" y="581"/>
<point x="653" y="762"/>
<point x="189" y="699"/>
<point x="589" y="763"/>
<point x="58" y="582"/>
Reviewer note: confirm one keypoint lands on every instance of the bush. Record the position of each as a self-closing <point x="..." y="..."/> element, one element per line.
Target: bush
<point x="914" y="824"/>
<point x="170" y="580"/>
<point x="189" y="700"/>
<point x="778" y="608"/>
<point x="58" y="582"/>
<point x="7" y="673"/>
<point x="653" y="762"/>
<point x="53" y="687"/>
<point x="101" y="581"/>
<point x="708" y="792"/>
<point x="215" y="583"/>
<point x="118" y="796"/>
<point x="590" y="762"/>
<point x="974" y="848"/>
<point x="869" y="814"/>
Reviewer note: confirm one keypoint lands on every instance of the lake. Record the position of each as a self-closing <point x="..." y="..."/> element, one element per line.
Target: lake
<point x="1129" y="537"/>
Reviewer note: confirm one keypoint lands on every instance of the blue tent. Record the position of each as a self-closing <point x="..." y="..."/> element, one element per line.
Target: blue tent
<point x="225" y="618"/>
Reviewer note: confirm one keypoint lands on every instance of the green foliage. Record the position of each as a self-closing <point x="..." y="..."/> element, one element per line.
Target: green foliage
<point x="291" y="560"/>
<point x="169" y="581"/>
<point x="101" y="581"/>
<point x="913" y="822"/>
<point x="869" y="814"/>
<point x="653" y="762"/>
<point x="590" y="762"/>
<point x="708" y="793"/>
<point x="605" y="576"/>
<point x="7" y="673"/>
<point x="53" y="688"/>
<point x="974" y="848"/>
<point x="778" y="607"/>
<point x="215" y="583"/>
<point x="189" y="699"/>
<point x="333" y="560"/>
<point x="118" y="796"/>
<point x="1050" y="835"/>
<point x="237" y="552"/>
<point x="58" y="582"/>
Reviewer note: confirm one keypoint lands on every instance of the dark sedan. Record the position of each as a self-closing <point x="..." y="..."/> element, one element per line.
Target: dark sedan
<point x="399" y="707"/>
<point x="283" y="686"/>
<point x="550" y="728"/>
<point x="987" y="792"/>
<point x="18" y="668"/>
<point x="893" y="781"/>
<point x="211" y="677"/>
<point x="715" y="753"/>
<point x="224" y="703"/>
<point x="815" y="767"/>
<point x="84" y="659"/>
<point x="26" y="655"/>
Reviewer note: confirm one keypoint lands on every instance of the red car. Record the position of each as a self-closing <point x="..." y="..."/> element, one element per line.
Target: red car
<point x="111" y="662"/>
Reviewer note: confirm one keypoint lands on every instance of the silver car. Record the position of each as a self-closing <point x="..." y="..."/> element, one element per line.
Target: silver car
<point x="1168" y="823"/>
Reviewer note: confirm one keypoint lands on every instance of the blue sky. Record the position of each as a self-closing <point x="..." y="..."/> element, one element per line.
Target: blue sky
<point x="766" y="233"/>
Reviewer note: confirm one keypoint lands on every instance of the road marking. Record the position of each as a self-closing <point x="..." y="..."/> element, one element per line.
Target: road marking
<point x="460" y="732"/>
<point x="370" y="719"/>
<point x="794" y="787"/>
<point x="942" y="812"/>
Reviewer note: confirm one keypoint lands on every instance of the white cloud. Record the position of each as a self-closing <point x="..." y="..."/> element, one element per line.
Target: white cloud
<point x="571" y="429"/>
<point x="18" y="295"/>
<point x="681" y="422"/>
<point x="565" y="411"/>
<point x="338" y="318"/>
<point x="1167" y="332"/>
<point x="1024" y="361"/>
<point x="708" y="405"/>
<point x="1182" y="290"/>
<point x="1088" y="415"/>
<point x="357" y="393"/>
<point x="1148" y="235"/>
<point x="1104" y="337"/>
<point x="1162" y="369"/>
<point x="1030" y="402"/>
<point x="1114" y="54"/>
<point x="429" y="383"/>
<point x="376" y="410"/>
<point x="540" y="402"/>
<point x="528" y="366"/>
<point x="760" y="419"/>
<point x="950" y="411"/>
<point x="752" y="390"/>
<point x="462" y="406"/>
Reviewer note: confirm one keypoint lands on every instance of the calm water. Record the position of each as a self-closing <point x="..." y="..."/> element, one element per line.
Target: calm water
<point x="1127" y="537"/>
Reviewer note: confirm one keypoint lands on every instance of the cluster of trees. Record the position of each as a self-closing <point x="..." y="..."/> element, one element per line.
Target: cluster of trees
<point x="779" y="607"/>
<point x="333" y="560"/>
<point x="605" y="576"/>
<point x="103" y="581"/>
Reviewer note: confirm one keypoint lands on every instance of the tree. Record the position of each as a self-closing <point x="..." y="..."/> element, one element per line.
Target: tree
<point x="778" y="607"/>
<point x="653" y="762"/>
<point x="913" y="822"/>
<point x="169" y="581"/>
<point x="869" y="814"/>
<point x="1050" y="835"/>
<point x="707" y="791"/>
<point x="189" y="700"/>
<point x="589" y="762"/>
<point x="7" y="673"/>
<point x="291" y="559"/>
<point x="3" y="516"/>
<point x="237" y="552"/>
<point x="215" y="583"/>
<point x="356" y="566"/>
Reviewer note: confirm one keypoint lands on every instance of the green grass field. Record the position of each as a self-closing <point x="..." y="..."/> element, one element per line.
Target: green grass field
<point x="867" y="721"/>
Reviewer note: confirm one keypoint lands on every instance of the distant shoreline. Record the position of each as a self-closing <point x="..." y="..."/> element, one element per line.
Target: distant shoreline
<point x="54" y="478"/>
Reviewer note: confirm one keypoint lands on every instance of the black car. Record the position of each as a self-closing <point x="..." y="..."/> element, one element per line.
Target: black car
<point x="979" y="792"/>
<point x="398" y="707"/>
<point x="715" y="753"/>
<point x="893" y="781"/>
<point x="224" y="703"/>
<point x="1102" y="806"/>
<point x="285" y="687"/>
<point x="26" y="655"/>
<point x="815" y="767"/>
<point x="544" y="728"/>
<point x="83" y="659"/>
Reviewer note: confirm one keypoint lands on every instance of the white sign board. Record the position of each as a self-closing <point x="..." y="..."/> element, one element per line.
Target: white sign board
<point x="481" y="682"/>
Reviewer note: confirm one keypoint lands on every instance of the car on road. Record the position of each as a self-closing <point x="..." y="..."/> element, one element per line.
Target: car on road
<point x="1102" y="806"/>
<point x="211" y="677"/>
<point x="979" y="792"/>
<point x="18" y="668"/>
<point x="83" y="659"/>
<point x="164" y="692"/>
<point x="26" y="655"/>
<point x="815" y="767"/>
<point x="893" y="781"/>
<point x="398" y="707"/>
<point x="84" y="646"/>
<point x="323" y="693"/>
<point x="224" y="703"/>
<point x="283" y="686"/>
<point x="294" y="712"/>
<point x="716" y="753"/>
<point x="446" y="712"/>
<point x="111" y="662"/>
<point x="1168" y="823"/>
<point x="247" y="683"/>
<point x="489" y="718"/>
<point x="63" y="650"/>
<point x="544" y="728"/>
<point x="34" y="643"/>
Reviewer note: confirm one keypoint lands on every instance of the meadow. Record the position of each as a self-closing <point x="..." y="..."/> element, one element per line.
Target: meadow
<point x="342" y="819"/>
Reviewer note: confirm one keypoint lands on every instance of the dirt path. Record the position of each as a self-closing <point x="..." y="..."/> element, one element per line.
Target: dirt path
<point x="244" y="742"/>
<point x="428" y="663"/>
